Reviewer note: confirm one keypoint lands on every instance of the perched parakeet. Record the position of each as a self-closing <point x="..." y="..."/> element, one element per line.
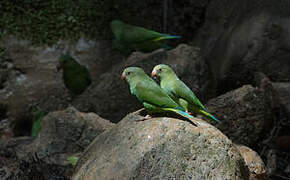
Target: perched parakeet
<point x="130" y="38"/>
<point x="76" y="77"/>
<point x="179" y="92"/>
<point x="37" y="120"/>
<point x="148" y="92"/>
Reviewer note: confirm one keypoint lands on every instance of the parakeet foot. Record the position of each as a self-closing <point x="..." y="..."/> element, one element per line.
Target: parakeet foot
<point x="188" y="113"/>
<point x="144" y="118"/>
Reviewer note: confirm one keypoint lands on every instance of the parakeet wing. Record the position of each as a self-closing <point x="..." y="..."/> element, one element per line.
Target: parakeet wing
<point x="148" y="91"/>
<point x="135" y="34"/>
<point x="182" y="91"/>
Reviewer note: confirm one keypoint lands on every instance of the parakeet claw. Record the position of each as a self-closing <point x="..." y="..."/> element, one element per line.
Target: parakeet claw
<point x="188" y="112"/>
<point x="144" y="118"/>
<point x="148" y="116"/>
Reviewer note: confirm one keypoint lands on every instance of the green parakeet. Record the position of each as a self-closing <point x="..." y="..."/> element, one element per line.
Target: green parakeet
<point x="37" y="120"/>
<point x="179" y="92"/>
<point x="130" y="38"/>
<point x="76" y="77"/>
<point x="148" y="92"/>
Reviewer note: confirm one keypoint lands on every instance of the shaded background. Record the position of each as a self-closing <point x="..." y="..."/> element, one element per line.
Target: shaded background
<point x="235" y="43"/>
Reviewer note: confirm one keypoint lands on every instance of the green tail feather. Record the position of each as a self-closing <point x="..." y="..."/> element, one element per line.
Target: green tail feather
<point x="166" y="36"/>
<point x="207" y="114"/>
<point x="177" y="111"/>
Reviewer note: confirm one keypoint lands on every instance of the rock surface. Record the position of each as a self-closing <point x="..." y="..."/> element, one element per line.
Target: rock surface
<point x="29" y="79"/>
<point x="254" y="163"/>
<point x="111" y="97"/>
<point x="245" y="114"/>
<point x="241" y="37"/>
<point x="161" y="148"/>
<point x="283" y="90"/>
<point x="68" y="131"/>
<point x="63" y="134"/>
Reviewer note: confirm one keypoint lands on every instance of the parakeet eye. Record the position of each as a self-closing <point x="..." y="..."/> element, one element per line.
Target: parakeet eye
<point x="128" y="73"/>
<point x="159" y="70"/>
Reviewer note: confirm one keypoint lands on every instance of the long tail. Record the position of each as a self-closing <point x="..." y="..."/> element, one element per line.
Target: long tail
<point x="207" y="114"/>
<point x="177" y="111"/>
<point x="166" y="36"/>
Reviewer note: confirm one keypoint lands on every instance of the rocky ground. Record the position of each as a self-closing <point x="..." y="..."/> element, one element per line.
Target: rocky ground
<point x="237" y="63"/>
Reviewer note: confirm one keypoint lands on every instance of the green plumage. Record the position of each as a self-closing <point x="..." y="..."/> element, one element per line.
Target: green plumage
<point x="179" y="92"/>
<point x="148" y="92"/>
<point x="73" y="160"/>
<point x="36" y="122"/>
<point x="76" y="77"/>
<point x="130" y="38"/>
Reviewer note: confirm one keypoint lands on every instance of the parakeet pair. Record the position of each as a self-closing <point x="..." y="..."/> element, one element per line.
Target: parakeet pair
<point x="76" y="77"/>
<point x="148" y="92"/>
<point x="179" y="92"/>
<point x="173" y="95"/>
<point x="129" y="38"/>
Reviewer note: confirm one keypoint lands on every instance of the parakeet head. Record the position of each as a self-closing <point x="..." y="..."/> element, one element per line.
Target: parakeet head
<point x="116" y="23"/>
<point x="116" y="26"/>
<point x="63" y="60"/>
<point x="131" y="74"/>
<point x="162" y="70"/>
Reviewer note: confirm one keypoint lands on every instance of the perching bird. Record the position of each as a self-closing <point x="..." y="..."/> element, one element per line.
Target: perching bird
<point x="148" y="92"/>
<point x="179" y="92"/>
<point x="130" y="38"/>
<point x="76" y="77"/>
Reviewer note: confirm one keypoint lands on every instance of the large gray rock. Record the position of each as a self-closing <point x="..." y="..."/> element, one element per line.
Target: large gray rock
<point x="161" y="148"/>
<point x="67" y="132"/>
<point x="111" y="97"/>
<point x="63" y="134"/>
<point x="243" y="36"/>
<point x="246" y="113"/>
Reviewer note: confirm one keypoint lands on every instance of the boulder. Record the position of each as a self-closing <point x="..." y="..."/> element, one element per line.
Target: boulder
<point x="245" y="113"/>
<point x="161" y="148"/>
<point x="241" y="37"/>
<point x="67" y="132"/>
<point x="254" y="163"/>
<point x="63" y="134"/>
<point x="111" y="97"/>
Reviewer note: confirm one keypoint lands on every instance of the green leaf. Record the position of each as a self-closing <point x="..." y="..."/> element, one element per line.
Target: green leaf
<point x="73" y="160"/>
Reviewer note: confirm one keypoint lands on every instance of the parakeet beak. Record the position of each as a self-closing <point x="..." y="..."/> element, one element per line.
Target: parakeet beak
<point x="154" y="73"/>
<point x="123" y="76"/>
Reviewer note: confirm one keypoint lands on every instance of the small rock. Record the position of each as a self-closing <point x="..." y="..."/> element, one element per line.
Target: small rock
<point x="254" y="163"/>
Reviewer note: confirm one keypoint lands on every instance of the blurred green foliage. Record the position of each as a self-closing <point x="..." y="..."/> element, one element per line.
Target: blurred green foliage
<point x="47" y="21"/>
